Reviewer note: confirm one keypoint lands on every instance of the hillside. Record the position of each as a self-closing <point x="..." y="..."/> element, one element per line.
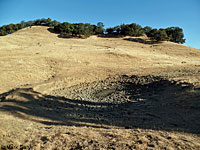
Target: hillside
<point x="97" y="93"/>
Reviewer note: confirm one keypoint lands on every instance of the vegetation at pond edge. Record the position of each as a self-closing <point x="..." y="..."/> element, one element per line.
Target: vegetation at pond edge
<point x="84" y="30"/>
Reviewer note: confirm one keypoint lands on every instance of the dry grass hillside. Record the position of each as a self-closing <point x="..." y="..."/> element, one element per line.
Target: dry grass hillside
<point x="97" y="93"/>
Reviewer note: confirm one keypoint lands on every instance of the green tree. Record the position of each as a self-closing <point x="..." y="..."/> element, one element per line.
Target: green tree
<point x="131" y="30"/>
<point x="135" y="30"/>
<point x="37" y="22"/>
<point x="43" y="22"/>
<point x="152" y="33"/>
<point x="54" y="23"/>
<point x="22" y="24"/>
<point x="48" y="22"/>
<point x="110" y="30"/>
<point x="11" y="28"/>
<point x="161" y="35"/>
<point x="100" y="28"/>
<point x="158" y="35"/>
<point x="87" y="30"/>
<point x="175" y="34"/>
<point x="67" y="27"/>
<point x="123" y="28"/>
<point x="93" y="29"/>
<point x="29" y="23"/>
<point x="3" y="32"/>
<point x="19" y="26"/>
<point x="64" y="27"/>
<point x="147" y="29"/>
<point x="117" y="29"/>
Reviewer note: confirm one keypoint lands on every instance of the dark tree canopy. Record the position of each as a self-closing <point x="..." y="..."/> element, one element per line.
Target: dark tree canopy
<point x="76" y="29"/>
<point x="173" y="34"/>
<point x="100" y="28"/>
<point x="126" y="29"/>
<point x="110" y="30"/>
<point x="147" y="29"/>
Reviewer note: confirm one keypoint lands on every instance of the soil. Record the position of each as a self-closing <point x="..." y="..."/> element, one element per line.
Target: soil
<point x="97" y="93"/>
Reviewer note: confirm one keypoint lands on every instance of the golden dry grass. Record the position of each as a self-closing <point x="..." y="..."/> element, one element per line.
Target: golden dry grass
<point x="37" y="59"/>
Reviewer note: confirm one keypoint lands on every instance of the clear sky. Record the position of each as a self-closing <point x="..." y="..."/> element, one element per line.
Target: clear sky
<point x="154" y="13"/>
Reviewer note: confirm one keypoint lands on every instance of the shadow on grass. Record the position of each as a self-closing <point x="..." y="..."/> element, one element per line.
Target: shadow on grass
<point x="158" y="105"/>
<point x="143" y="41"/>
<point x="65" y="36"/>
<point x="59" y="35"/>
<point x="52" y="30"/>
<point x="110" y="36"/>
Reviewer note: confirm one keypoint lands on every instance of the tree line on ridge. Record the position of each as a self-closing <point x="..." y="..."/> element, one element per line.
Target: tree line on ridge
<point x="84" y="30"/>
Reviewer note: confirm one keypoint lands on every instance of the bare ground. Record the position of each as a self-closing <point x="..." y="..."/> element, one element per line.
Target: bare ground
<point x="97" y="93"/>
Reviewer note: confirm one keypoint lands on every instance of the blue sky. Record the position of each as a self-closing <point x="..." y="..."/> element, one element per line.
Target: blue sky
<point x="154" y="13"/>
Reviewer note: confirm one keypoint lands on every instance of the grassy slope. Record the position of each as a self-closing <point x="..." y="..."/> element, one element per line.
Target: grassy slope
<point x="35" y="58"/>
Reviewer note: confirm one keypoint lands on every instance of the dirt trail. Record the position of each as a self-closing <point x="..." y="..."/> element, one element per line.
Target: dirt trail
<point x="125" y="94"/>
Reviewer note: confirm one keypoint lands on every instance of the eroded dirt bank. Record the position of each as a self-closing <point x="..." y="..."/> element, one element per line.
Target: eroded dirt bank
<point x="122" y="112"/>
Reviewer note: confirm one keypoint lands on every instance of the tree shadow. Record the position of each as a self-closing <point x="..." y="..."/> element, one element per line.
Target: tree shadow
<point x="157" y="105"/>
<point x="143" y="41"/>
<point x="51" y="30"/>
<point x="110" y="36"/>
<point x="65" y="36"/>
<point x="59" y="35"/>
